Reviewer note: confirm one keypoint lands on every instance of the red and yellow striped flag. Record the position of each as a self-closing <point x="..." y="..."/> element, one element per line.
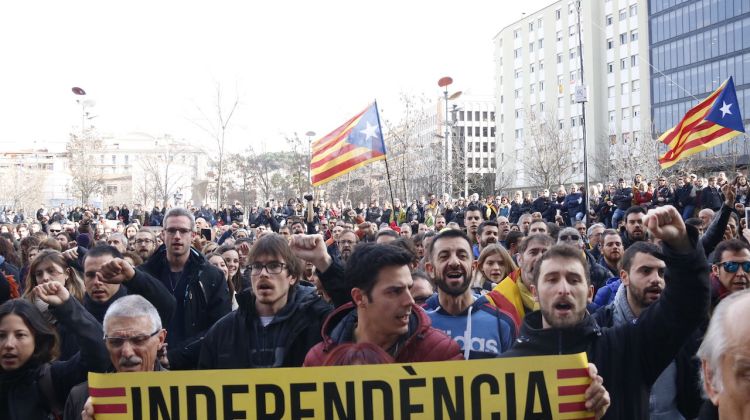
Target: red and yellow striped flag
<point x="356" y="143"/>
<point x="713" y="121"/>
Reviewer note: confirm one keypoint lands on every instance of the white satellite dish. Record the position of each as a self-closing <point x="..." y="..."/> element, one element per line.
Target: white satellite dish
<point x="88" y="103"/>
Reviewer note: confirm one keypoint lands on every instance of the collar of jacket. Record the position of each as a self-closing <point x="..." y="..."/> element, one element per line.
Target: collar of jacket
<point x="342" y="321"/>
<point x="299" y="296"/>
<point x="571" y="340"/>
<point x="159" y="259"/>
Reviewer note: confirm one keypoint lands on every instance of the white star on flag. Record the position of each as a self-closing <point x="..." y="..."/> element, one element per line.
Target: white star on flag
<point x="725" y="109"/>
<point x="370" y="131"/>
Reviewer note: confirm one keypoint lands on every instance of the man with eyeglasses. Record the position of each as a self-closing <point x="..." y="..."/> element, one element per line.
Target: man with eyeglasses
<point x="145" y="244"/>
<point x="598" y="274"/>
<point x="731" y="269"/>
<point x="201" y="292"/>
<point x="278" y="320"/>
<point x="133" y="336"/>
<point x="347" y="241"/>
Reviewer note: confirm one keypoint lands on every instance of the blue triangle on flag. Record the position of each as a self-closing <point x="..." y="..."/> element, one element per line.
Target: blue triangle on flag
<point x="726" y="110"/>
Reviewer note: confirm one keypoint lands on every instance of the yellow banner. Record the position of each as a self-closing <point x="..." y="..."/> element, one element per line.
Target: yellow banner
<point x="545" y="387"/>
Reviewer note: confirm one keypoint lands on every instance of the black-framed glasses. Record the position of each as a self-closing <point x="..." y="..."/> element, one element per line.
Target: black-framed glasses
<point x="733" y="266"/>
<point x="135" y="341"/>
<point x="570" y="238"/>
<point x="144" y="241"/>
<point x="420" y="300"/>
<point x="54" y="231"/>
<point x="274" y="267"/>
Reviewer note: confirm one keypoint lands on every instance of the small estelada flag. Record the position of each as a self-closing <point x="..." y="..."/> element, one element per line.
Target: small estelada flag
<point x="715" y="120"/>
<point x="356" y="143"/>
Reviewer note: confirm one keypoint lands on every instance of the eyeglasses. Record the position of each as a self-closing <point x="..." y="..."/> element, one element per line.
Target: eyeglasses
<point x="143" y="241"/>
<point x="346" y="242"/>
<point x="733" y="266"/>
<point x="55" y="230"/>
<point x="569" y="237"/>
<point x="274" y="267"/>
<point x="419" y="300"/>
<point x="135" y="341"/>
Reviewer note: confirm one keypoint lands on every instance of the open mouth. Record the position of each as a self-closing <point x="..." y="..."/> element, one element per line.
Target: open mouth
<point x="404" y="318"/>
<point x="9" y="359"/>
<point x="739" y="284"/>
<point x="454" y="275"/>
<point x="654" y="292"/>
<point x="563" y="307"/>
<point x="265" y="286"/>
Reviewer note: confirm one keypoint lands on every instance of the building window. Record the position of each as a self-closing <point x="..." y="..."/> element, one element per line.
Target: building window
<point x="114" y="159"/>
<point x="492" y="132"/>
<point x="470" y="161"/>
<point x="560" y="124"/>
<point x="485" y="162"/>
<point x="531" y="88"/>
<point x="494" y="164"/>
<point x="623" y="64"/>
<point x="460" y="115"/>
<point x="625" y="113"/>
<point x="492" y="147"/>
<point x="572" y="53"/>
<point x="519" y="133"/>
<point x="541" y="86"/>
<point x="518" y="73"/>
<point x="531" y="68"/>
<point x="634" y="60"/>
<point x="608" y="20"/>
<point x="531" y="47"/>
<point x="636" y="85"/>
<point x="625" y="88"/>
<point x="623" y="14"/>
<point x="611" y="116"/>
<point x="572" y="122"/>
<point x="476" y="162"/>
<point x="559" y="36"/>
<point x="636" y="111"/>
<point x="540" y="43"/>
<point x="476" y="131"/>
<point x="559" y="58"/>
<point x="623" y="38"/>
<point x="634" y="35"/>
<point x="634" y="10"/>
<point x="485" y="147"/>
<point x="557" y="14"/>
<point x="541" y="65"/>
<point x="517" y="53"/>
<point x="611" y="92"/>
<point x="516" y="33"/>
<point x="610" y="43"/>
<point x="469" y="147"/>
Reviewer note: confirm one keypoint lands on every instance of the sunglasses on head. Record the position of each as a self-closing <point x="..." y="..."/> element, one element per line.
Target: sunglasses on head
<point x="733" y="266"/>
<point x="570" y="237"/>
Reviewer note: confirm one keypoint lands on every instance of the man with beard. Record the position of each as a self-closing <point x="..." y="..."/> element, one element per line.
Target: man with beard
<point x="612" y="252"/>
<point x="347" y="241"/>
<point x="642" y="284"/>
<point x="481" y="329"/>
<point x="487" y="233"/>
<point x="439" y="223"/>
<point x="382" y="311"/>
<point x="630" y="356"/>
<point x="634" y="230"/>
<point x="145" y="244"/>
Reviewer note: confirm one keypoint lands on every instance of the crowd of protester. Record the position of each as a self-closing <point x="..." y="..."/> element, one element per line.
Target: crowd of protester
<point x="650" y="281"/>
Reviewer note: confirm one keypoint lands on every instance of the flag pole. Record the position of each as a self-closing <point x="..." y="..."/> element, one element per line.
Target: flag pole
<point x="387" y="171"/>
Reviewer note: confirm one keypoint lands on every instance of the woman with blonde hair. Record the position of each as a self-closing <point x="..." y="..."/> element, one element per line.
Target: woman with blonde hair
<point x="493" y="266"/>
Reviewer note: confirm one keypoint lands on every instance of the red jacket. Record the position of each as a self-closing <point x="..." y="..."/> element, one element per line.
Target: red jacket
<point x="424" y="344"/>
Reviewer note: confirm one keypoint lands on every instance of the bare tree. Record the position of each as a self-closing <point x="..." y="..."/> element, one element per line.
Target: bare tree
<point x="21" y="187"/>
<point x="628" y="155"/>
<point x="87" y="177"/>
<point x="547" y="153"/>
<point x="215" y="125"/>
<point x="160" y="174"/>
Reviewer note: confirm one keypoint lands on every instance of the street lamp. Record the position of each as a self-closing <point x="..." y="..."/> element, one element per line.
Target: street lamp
<point x="309" y="135"/>
<point x="581" y="97"/>
<point x="444" y="82"/>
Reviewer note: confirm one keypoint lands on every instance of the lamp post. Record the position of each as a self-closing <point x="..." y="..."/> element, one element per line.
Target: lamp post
<point x="447" y="164"/>
<point x="581" y="97"/>
<point x="309" y="135"/>
<point x="84" y="103"/>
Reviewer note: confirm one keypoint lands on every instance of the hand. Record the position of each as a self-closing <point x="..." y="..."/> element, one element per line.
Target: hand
<point x="739" y="207"/>
<point x="88" y="410"/>
<point x="666" y="224"/>
<point x="117" y="271"/>
<point x="52" y="293"/>
<point x="597" y="397"/>
<point x="243" y="249"/>
<point x="311" y="248"/>
<point x="71" y="254"/>
<point x="746" y="234"/>
<point x="729" y="194"/>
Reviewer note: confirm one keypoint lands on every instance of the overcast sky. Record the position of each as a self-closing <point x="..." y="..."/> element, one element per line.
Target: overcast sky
<point x="296" y="65"/>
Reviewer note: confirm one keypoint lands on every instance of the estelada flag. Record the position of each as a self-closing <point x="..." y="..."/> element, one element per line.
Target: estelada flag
<point x="356" y="143"/>
<point x="715" y="120"/>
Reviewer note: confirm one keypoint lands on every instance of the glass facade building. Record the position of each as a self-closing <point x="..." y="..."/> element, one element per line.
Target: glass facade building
<point x="694" y="46"/>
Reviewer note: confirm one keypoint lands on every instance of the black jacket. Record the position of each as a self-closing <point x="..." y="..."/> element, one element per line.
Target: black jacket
<point x="205" y="301"/>
<point x="630" y="357"/>
<point x="711" y="198"/>
<point x="665" y="193"/>
<point x="240" y="341"/>
<point x="685" y="195"/>
<point x="35" y="390"/>
<point x="540" y="204"/>
<point x="623" y="198"/>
